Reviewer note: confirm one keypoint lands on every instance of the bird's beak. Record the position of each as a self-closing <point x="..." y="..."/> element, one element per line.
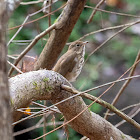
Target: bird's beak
<point x="85" y="42"/>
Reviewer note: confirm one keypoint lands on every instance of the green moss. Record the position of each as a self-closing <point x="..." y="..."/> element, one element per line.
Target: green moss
<point x="112" y="106"/>
<point x="48" y="89"/>
<point x="18" y="96"/>
<point x="80" y="102"/>
<point x="26" y="87"/>
<point x="46" y="79"/>
<point x="36" y="86"/>
<point x="89" y="111"/>
<point x="35" y="83"/>
<point x="123" y="137"/>
<point x="12" y="102"/>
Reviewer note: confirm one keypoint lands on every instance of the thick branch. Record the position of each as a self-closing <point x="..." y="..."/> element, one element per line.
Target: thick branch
<point x="32" y="86"/>
<point x="46" y="85"/>
<point x="105" y="104"/>
<point x="59" y="36"/>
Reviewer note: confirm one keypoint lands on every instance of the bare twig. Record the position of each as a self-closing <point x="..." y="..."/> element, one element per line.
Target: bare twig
<point x="37" y="18"/>
<point x="13" y="66"/>
<point x="49" y="17"/>
<point x="35" y="127"/>
<point x="111" y="38"/>
<point x="44" y="122"/>
<point x="12" y="57"/>
<point x="124" y="85"/>
<point x="131" y="116"/>
<point x="54" y="109"/>
<point x="128" y="107"/>
<point x="94" y="11"/>
<point x="102" y="30"/>
<point x="21" y="41"/>
<point x="31" y="2"/>
<point x="105" y="29"/>
<point x="17" y="31"/>
<point x="25" y="23"/>
<point x="116" y="13"/>
<point x="105" y="104"/>
<point x="35" y="40"/>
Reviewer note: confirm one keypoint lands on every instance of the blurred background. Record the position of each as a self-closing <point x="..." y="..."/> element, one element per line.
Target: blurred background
<point x="105" y="65"/>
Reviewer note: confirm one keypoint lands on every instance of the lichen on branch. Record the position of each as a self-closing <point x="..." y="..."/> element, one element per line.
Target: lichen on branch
<point x="46" y="85"/>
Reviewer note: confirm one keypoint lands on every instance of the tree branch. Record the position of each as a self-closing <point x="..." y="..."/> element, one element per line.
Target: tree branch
<point x="104" y="104"/>
<point x="46" y="85"/>
<point x="59" y="36"/>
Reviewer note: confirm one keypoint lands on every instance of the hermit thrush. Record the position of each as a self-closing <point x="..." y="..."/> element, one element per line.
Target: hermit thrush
<point x="70" y="64"/>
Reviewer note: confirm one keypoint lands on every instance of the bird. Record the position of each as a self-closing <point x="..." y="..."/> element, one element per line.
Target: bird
<point x="70" y="64"/>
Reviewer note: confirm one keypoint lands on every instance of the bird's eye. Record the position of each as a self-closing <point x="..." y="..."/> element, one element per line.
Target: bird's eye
<point x="77" y="45"/>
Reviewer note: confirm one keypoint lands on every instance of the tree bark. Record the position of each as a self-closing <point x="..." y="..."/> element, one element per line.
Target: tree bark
<point x="60" y="34"/>
<point x="5" y="115"/>
<point x="6" y="9"/>
<point x="46" y="85"/>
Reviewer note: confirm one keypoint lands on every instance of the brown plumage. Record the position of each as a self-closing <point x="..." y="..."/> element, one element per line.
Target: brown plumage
<point x="70" y="64"/>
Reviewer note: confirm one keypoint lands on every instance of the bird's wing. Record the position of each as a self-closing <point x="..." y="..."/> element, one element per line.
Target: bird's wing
<point x="65" y="64"/>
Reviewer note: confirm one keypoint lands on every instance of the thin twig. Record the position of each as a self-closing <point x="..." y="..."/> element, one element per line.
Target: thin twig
<point x="25" y="23"/>
<point x="116" y="13"/>
<point x="128" y="107"/>
<point x="102" y="30"/>
<point x="14" y="67"/>
<point x="105" y="104"/>
<point x="35" y="40"/>
<point x="124" y="85"/>
<point x="37" y="18"/>
<point x="111" y="38"/>
<point x="28" y="48"/>
<point x="49" y="17"/>
<point x="44" y="122"/>
<point x="131" y="116"/>
<point x="38" y="108"/>
<point x="21" y="41"/>
<point x="17" y="31"/>
<point x="12" y="57"/>
<point x="35" y="127"/>
<point x="55" y="109"/>
<point x="94" y="11"/>
<point x="31" y="2"/>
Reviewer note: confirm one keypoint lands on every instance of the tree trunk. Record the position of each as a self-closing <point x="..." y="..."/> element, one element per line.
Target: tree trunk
<point x="5" y="115"/>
